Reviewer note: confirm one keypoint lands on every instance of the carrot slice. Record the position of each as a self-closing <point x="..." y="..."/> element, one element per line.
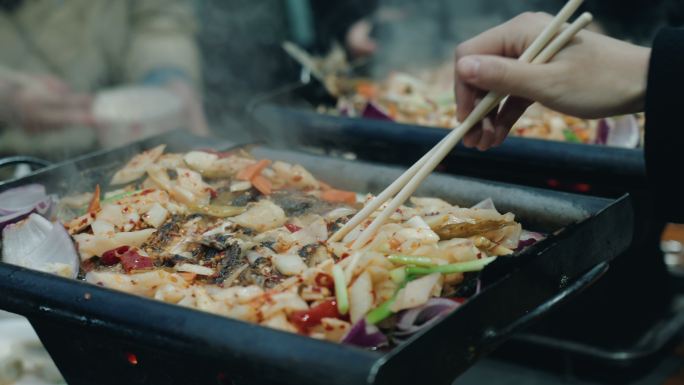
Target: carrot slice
<point x="367" y="90"/>
<point x="249" y="172"/>
<point x="393" y="112"/>
<point x="262" y="184"/>
<point x="339" y="196"/>
<point x="94" y="204"/>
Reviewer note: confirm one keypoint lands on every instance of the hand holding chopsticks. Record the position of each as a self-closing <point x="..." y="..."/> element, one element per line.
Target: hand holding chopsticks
<point x="541" y="50"/>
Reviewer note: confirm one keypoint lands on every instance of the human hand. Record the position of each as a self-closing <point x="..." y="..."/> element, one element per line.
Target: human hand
<point x="192" y="104"/>
<point x="42" y="103"/>
<point x="358" y="39"/>
<point x="593" y="76"/>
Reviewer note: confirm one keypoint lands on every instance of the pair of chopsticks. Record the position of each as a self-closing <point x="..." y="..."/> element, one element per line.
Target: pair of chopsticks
<point x="542" y="49"/>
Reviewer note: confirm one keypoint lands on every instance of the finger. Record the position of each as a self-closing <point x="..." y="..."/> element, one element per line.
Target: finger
<point x="53" y="84"/>
<point x="508" y="39"/>
<point x="488" y="133"/>
<point x="66" y="101"/>
<point x="466" y="99"/>
<point x="511" y="111"/>
<point x="505" y="76"/>
<point x="472" y="137"/>
<point x="59" y="118"/>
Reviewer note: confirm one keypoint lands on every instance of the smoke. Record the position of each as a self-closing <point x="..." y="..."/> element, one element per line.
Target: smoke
<point x="243" y="59"/>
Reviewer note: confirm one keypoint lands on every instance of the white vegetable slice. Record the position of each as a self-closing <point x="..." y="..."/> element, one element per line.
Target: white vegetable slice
<point x="237" y="294"/>
<point x="137" y="166"/>
<point x="415" y="293"/>
<point x="360" y="297"/>
<point x="197" y="269"/>
<point x="316" y="231"/>
<point x="199" y="160"/>
<point x="288" y="264"/>
<point x="280" y="322"/>
<point x="90" y="245"/>
<point x="261" y="216"/>
<point x="37" y="244"/>
<point x="102" y="228"/>
<point x="335" y="329"/>
<point x="192" y="181"/>
<point x="240" y="185"/>
<point x="144" y="284"/>
<point x="113" y="214"/>
<point x="156" y="215"/>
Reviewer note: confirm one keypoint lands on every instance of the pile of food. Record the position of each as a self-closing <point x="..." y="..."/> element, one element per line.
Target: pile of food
<point x="248" y="238"/>
<point x="428" y="100"/>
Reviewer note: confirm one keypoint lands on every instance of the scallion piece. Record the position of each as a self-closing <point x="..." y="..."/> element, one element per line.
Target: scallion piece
<point x="398" y="275"/>
<point x="381" y="312"/>
<point x="411" y="260"/>
<point x="461" y="267"/>
<point x="116" y="197"/>
<point x="340" y="289"/>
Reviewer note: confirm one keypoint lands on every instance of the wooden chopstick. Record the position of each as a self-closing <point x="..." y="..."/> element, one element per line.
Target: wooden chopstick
<point x="417" y="173"/>
<point x="527" y="56"/>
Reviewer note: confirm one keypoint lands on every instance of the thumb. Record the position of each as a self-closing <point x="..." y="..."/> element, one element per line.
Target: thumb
<point x="502" y="75"/>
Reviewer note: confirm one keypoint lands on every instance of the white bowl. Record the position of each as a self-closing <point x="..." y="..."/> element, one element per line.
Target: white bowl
<point x="130" y="113"/>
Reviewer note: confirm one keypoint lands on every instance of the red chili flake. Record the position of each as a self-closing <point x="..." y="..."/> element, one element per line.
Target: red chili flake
<point x="88" y="265"/>
<point x="213" y="193"/>
<point x="131" y="260"/>
<point x="109" y="258"/>
<point x="458" y="299"/>
<point x="325" y="280"/>
<point x="306" y="319"/>
<point x="112" y="257"/>
<point x="582" y="187"/>
<point x="344" y="255"/>
<point x="553" y="183"/>
<point x="132" y="359"/>
<point x="146" y="191"/>
<point x="292" y="227"/>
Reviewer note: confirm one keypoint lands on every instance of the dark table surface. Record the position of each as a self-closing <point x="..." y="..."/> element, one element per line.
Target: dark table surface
<point x="670" y="371"/>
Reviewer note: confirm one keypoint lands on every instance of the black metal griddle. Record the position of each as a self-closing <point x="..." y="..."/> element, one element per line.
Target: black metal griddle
<point x="603" y="343"/>
<point x="288" y="117"/>
<point x="99" y="336"/>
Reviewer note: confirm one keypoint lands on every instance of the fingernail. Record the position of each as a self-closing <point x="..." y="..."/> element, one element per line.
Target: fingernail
<point x="487" y="124"/>
<point x="468" y="67"/>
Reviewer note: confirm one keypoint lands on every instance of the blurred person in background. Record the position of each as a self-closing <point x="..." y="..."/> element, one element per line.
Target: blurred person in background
<point x="241" y="42"/>
<point x="58" y="54"/>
